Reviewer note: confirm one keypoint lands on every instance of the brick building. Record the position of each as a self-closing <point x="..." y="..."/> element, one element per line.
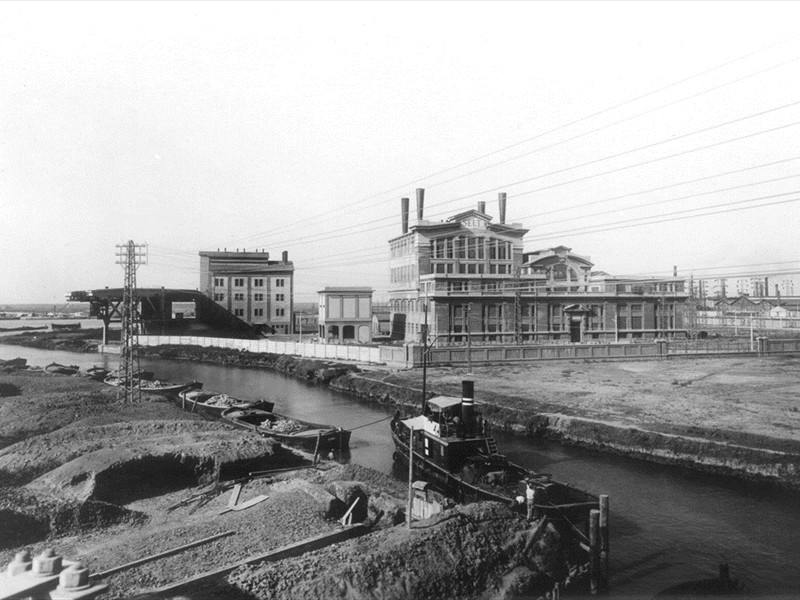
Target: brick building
<point x="251" y="286"/>
<point x="470" y="277"/>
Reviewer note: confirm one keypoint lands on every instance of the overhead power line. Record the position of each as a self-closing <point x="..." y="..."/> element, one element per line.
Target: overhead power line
<point x="339" y="209"/>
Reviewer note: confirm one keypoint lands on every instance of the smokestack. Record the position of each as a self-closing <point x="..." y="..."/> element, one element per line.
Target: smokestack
<point x="501" y="200"/>
<point x="404" y="213"/>
<point x="420" y="202"/>
<point x="482" y="207"/>
<point x="467" y="407"/>
<point x="285" y="256"/>
<point x="675" y="270"/>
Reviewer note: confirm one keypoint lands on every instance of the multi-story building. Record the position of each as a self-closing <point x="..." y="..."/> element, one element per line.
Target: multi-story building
<point x="251" y="286"/>
<point x="471" y="279"/>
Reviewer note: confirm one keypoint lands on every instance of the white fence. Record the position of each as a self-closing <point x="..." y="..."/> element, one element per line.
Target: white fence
<point x="365" y="354"/>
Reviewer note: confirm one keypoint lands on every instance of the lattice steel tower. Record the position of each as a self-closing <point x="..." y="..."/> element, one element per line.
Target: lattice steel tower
<point x="130" y="256"/>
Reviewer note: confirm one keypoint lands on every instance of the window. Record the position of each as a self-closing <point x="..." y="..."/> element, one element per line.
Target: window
<point x="258" y="282"/>
<point x="456" y="286"/>
<point x="238" y="282"/>
<point x="239" y="312"/>
<point x="279" y="283"/>
<point x="258" y="297"/>
<point x="219" y="297"/>
<point x="279" y="297"/>
<point x="238" y="296"/>
<point x="219" y="281"/>
<point x="280" y="312"/>
<point x="258" y="312"/>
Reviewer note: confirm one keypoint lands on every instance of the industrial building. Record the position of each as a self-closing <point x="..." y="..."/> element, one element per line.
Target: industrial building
<point x="471" y="279"/>
<point x="345" y="315"/>
<point x="251" y="286"/>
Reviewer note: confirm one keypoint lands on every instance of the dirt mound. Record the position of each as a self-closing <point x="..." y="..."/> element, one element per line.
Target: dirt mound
<point x="27" y="517"/>
<point x="127" y="461"/>
<point x="482" y="551"/>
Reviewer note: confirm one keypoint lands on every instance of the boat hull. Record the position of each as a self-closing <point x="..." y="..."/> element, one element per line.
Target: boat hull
<point x="563" y="502"/>
<point x="192" y="400"/>
<point x="311" y="437"/>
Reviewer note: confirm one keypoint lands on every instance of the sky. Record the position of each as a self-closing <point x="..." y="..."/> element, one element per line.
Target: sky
<point x="644" y="135"/>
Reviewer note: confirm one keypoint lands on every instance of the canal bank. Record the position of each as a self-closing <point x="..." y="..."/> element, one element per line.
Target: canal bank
<point x="560" y="402"/>
<point x="732" y="416"/>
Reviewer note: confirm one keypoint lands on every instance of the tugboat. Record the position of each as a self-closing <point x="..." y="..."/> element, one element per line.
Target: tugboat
<point x="452" y="449"/>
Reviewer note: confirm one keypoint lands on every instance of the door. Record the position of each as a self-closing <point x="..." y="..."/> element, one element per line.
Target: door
<point x="575" y="330"/>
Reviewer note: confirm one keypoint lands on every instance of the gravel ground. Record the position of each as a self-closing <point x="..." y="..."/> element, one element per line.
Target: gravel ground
<point x="747" y="399"/>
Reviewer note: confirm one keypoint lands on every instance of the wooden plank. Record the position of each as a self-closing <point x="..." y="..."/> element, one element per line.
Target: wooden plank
<point x="237" y="490"/>
<point x="244" y="505"/>
<point x="161" y="555"/>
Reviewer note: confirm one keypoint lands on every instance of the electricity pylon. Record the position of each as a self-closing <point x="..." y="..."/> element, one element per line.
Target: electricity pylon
<point x="130" y="256"/>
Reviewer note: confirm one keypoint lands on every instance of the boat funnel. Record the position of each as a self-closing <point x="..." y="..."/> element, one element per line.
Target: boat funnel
<point x="468" y="407"/>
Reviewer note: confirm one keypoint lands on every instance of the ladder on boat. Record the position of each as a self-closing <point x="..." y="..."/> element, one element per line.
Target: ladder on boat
<point x="491" y="445"/>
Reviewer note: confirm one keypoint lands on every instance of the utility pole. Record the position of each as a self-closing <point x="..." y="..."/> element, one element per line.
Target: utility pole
<point x="469" y="339"/>
<point x="425" y="358"/>
<point x="130" y="256"/>
<point x="518" y="305"/>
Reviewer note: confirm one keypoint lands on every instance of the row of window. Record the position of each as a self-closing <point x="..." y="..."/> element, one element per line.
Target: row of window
<point x="402" y="247"/>
<point x="240" y="297"/>
<point x="259" y="312"/>
<point x="470" y="248"/>
<point x="242" y="281"/>
<point x="404" y="274"/>
<point x="471" y="268"/>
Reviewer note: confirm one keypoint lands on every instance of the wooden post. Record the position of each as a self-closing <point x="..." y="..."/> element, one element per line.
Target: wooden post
<point x="594" y="550"/>
<point x="604" y="575"/>
<point x="316" y="448"/>
<point x="410" y="474"/>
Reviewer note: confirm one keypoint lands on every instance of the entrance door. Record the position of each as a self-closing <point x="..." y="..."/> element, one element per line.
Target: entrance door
<point x="575" y="330"/>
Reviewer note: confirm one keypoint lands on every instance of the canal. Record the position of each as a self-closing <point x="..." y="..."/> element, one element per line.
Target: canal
<point x="668" y="525"/>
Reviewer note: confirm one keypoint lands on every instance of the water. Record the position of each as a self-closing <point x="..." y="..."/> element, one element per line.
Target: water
<point x="668" y="525"/>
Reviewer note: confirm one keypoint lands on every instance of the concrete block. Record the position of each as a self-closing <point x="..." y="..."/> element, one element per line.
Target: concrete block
<point x="22" y="562"/>
<point x="47" y="563"/>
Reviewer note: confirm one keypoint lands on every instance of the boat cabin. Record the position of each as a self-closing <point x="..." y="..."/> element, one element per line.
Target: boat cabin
<point x="447" y="434"/>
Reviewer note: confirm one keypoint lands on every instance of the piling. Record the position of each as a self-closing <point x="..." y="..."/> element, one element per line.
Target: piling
<point x="316" y="448"/>
<point x="594" y="551"/>
<point x="410" y="475"/>
<point x="603" y="526"/>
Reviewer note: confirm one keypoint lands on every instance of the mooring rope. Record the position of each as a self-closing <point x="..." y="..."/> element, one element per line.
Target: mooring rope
<point x="373" y="423"/>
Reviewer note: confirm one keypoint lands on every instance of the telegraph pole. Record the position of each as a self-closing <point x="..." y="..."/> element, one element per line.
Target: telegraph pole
<point x="130" y="256"/>
<point x="518" y="305"/>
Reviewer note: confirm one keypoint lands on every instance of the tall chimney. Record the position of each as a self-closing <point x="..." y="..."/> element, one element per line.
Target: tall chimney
<point x="501" y="200"/>
<point x="675" y="270"/>
<point x="482" y="207"/>
<point x="285" y="256"/>
<point x="467" y="407"/>
<point x="404" y="213"/>
<point x="420" y="202"/>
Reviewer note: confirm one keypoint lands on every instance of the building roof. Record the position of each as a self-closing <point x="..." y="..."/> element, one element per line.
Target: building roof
<point x="347" y="290"/>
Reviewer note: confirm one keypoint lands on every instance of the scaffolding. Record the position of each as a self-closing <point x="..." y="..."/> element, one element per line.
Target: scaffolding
<point x="130" y="256"/>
